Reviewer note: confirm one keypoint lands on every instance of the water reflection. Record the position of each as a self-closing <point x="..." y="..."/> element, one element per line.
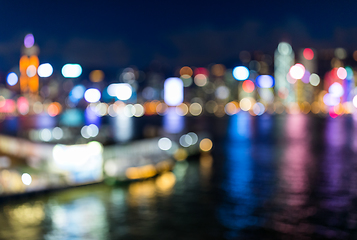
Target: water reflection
<point x="238" y="202"/>
<point x="123" y="128"/>
<point x="265" y="180"/>
<point x="172" y="122"/>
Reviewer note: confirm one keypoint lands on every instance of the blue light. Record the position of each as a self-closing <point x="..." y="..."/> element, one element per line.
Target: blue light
<point x="241" y="73"/>
<point x="265" y="81"/>
<point x="12" y="79"/>
<point x="78" y="92"/>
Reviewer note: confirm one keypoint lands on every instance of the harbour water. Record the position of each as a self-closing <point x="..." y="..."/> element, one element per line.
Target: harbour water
<point x="266" y="177"/>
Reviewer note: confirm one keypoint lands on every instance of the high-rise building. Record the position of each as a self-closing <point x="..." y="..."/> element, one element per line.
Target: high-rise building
<point x="284" y="58"/>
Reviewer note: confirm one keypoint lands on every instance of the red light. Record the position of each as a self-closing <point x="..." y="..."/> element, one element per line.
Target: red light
<point x="248" y="86"/>
<point x="201" y="70"/>
<point x="308" y="53"/>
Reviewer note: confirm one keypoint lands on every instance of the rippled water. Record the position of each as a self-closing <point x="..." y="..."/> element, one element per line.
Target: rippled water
<point x="268" y="177"/>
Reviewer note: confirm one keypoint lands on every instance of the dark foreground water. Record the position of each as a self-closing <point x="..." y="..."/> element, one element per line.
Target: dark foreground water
<point x="268" y="177"/>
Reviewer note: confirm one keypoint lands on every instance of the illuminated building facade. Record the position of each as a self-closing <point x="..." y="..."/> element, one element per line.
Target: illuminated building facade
<point x="283" y="60"/>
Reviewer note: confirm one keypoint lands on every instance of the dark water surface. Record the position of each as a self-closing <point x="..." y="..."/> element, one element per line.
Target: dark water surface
<point x="267" y="177"/>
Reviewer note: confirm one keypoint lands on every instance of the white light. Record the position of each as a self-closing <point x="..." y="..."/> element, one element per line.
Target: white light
<point x="92" y="95"/>
<point x="173" y="91"/>
<point x="45" y="70"/>
<point x="84" y="132"/>
<point x="186" y="140"/>
<point x="241" y="73"/>
<point x="26" y="179"/>
<point x="92" y="130"/>
<point x="129" y="110"/>
<point x="297" y="71"/>
<point x="123" y="91"/>
<point x="314" y="79"/>
<point x="71" y="70"/>
<point x="330" y="100"/>
<point x="354" y="101"/>
<point x="31" y="71"/>
<point x="336" y="90"/>
<point x="12" y="79"/>
<point x="194" y="137"/>
<point x="57" y="133"/>
<point x="164" y="144"/>
<point x="284" y="48"/>
<point x="139" y="110"/>
<point x="222" y="92"/>
<point x="45" y="135"/>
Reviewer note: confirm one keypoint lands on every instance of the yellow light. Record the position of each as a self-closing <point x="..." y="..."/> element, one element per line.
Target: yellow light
<point x="180" y="154"/>
<point x="182" y="109"/>
<point x="195" y="109"/>
<point x="206" y="145"/>
<point x="245" y="104"/>
<point x="132" y="173"/>
<point x="315" y="107"/>
<point x="165" y="182"/>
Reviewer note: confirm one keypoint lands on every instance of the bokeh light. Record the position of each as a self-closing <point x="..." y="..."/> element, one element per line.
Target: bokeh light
<point x="96" y="76"/>
<point x="341" y="73"/>
<point x="12" y="79"/>
<point x="241" y="73"/>
<point x="248" y="86"/>
<point x="308" y="53"/>
<point x="314" y="79"/>
<point x="70" y="70"/>
<point x="206" y="145"/>
<point x="173" y="91"/>
<point x="200" y="80"/>
<point x="265" y="81"/>
<point x="297" y="71"/>
<point x="29" y="40"/>
<point x="92" y="95"/>
<point x="26" y="179"/>
<point x="164" y="143"/>
<point x="45" y="70"/>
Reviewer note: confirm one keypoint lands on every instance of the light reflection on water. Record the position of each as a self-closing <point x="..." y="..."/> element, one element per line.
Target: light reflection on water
<point x="272" y="177"/>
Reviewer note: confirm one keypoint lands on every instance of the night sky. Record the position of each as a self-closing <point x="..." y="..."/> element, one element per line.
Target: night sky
<point x="111" y="34"/>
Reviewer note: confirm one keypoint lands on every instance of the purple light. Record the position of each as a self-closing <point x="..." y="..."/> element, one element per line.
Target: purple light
<point x="29" y="40"/>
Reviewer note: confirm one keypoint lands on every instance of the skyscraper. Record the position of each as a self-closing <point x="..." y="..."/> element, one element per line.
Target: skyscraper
<point x="283" y="60"/>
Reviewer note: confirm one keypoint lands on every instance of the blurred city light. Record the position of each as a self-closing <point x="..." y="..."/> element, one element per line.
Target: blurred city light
<point x="173" y="91"/>
<point x="12" y="79"/>
<point x="70" y="70"/>
<point x="92" y="95"/>
<point x="45" y="70"/>
<point x="241" y="73"/>
<point x="29" y="40"/>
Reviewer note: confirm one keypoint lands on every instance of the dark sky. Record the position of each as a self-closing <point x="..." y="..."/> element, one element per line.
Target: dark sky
<point x="109" y="34"/>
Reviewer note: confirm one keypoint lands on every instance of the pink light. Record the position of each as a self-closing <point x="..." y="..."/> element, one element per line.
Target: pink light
<point x="8" y="107"/>
<point x="341" y="73"/>
<point x="308" y="54"/>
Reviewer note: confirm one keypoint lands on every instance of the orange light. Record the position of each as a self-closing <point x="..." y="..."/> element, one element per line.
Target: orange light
<point x="54" y="109"/>
<point x="186" y="71"/>
<point x="96" y="76"/>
